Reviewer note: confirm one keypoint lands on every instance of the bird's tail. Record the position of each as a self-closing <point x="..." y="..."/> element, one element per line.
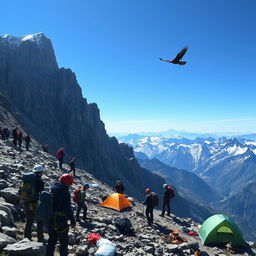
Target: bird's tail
<point x="182" y="62"/>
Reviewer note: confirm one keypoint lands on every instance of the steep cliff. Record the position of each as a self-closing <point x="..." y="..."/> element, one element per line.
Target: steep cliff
<point x="48" y="101"/>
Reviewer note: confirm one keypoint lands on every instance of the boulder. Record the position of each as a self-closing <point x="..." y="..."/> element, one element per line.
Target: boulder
<point x="6" y="215"/>
<point x="25" y="247"/>
<point x="3" y="184"/>
<point x="12" y="232"/>
<point x="4" y="240"/>
<point x="10" y="195"/>
<point x="82" y="250"/>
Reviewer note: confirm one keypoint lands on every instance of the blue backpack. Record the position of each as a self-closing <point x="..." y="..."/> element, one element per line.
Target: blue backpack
<point x="44" y="207"/>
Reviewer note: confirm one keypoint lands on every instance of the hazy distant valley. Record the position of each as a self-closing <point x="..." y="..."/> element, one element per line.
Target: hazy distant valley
<point x="212" y="171"/>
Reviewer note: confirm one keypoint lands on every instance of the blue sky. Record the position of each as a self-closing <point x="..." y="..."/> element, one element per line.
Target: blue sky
<point x="114" y="46"/>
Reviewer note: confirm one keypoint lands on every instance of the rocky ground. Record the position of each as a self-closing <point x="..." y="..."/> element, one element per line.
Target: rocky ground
<point x="147" y="240"/>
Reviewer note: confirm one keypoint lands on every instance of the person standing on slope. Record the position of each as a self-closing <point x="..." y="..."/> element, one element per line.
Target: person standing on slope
<point x="72" y="166"/>
<point x="30" y="205"/>
<point x="62" y="212"/>
<point x="119" y="187"/>
<point x="150" y="201"/>
<point x="60" y="155"/>
<point x="79" y="199"/>
<point x="20" y="137"/>
<point x="15" y="136"/>
<point x="167" y="196"/>
<point x="27" y="140"/>
<point x="45" y="148"/>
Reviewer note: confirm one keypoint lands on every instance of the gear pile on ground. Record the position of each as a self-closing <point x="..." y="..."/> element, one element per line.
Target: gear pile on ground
<point x="164" y="237"/>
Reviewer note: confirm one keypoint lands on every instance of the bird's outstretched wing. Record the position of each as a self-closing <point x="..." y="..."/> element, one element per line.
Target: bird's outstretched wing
<point x="164" y="60"/>
<point x="180" y="54"/>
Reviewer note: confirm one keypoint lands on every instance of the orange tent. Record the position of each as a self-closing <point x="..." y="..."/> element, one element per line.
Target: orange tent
<point x="116" y="201"/>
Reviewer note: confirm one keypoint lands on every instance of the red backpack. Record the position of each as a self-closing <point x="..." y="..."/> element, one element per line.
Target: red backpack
<point x="76" y="193"/>
<point x="171" y="192"/>
<point x="60" y="153"/>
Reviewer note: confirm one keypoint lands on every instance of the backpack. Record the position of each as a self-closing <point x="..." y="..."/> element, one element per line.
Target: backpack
<point x="153" y="199"/>
<point x="44" y="207"/>
<point x="171" y="192"/>
<point x="27" y="189"/>
<point x="59" y="153"/>
<point x="76" y="194"/>
<point x="124" y="226"/>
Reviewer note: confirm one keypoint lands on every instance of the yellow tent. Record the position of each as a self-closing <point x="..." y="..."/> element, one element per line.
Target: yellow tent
<point x="116" y="201"/>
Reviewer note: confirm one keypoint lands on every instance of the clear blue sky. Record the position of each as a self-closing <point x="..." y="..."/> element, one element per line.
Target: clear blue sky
<point x="113" y="46"/>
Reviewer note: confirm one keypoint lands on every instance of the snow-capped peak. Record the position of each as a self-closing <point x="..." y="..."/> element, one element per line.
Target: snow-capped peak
<point x="15" y="41"/>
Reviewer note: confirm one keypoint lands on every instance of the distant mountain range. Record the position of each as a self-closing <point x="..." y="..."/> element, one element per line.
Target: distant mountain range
<point x="205" y="170"/>
<point x="223" y="163"/>
<point x="185" y="134"/>
<point x="188" y="184"/>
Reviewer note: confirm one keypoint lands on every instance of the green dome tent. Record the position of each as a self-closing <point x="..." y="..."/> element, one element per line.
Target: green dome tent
<point x="220" y="229"/>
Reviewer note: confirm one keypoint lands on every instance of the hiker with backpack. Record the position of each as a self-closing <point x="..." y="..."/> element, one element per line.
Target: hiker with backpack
<point x="167" y="196"/>
<point x="60" y="155"/>
<point x="62" y="212"/>
<point x="27" y="140"/>
<point x="79" y="198"/>
<point x="119" y="187"/>
<point x="72" y="166"/>
<point x="151" y="201"/>
<point x="29" y="191"/>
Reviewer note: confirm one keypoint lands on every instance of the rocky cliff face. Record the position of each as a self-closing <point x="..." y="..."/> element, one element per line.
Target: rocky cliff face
<point x="48" y="101"/>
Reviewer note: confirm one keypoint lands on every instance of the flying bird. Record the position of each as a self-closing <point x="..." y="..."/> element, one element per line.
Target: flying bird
<point x="177" y="59"/>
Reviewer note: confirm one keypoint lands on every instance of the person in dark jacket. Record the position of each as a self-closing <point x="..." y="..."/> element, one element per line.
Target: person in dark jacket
<point x="29" y="207"/>
<point x="149" y="207"/>
<point x="27" y="140"/>
<point x="45" y="148"/>
<point x="58" y="227"/>
<point x="72" y="166"/>
<point x="5" y="133"/>
<point x="166" y="201"/>
<point x="81" y="202"/>
<point x="119" y="187"/>
<point x="20" y="137"/>
<point x="15" y="136"/>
